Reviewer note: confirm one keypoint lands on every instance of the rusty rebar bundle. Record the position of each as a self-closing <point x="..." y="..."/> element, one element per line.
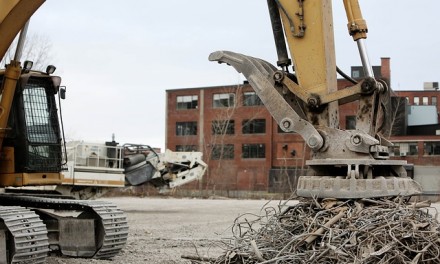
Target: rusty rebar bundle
<point x="335" y="231"/>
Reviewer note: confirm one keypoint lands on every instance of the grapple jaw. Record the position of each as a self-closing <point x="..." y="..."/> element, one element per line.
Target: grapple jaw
<point x="335" y="187"/>
<point x="356" y="178"/>
<point x="286" y="112"/>
<point x="346" y="164"/>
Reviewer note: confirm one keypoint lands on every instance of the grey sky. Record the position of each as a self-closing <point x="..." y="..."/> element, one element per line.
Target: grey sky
<point x="117" y="58"/>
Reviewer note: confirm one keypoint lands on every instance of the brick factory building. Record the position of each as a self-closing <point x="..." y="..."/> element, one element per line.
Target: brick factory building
<point x="249" y="156"/>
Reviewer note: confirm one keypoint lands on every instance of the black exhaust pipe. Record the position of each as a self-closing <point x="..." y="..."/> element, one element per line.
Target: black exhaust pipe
<point x="278" y="34"/>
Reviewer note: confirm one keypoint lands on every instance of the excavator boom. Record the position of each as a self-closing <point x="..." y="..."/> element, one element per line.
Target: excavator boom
<point x="14" y="14"/>
<point x="306" y="99"/>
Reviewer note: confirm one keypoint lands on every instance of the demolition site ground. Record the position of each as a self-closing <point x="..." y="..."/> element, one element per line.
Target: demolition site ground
<point x="163" y="229"/>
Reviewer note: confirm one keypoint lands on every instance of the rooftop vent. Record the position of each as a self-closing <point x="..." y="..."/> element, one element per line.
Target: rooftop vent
<point x="430" y="86"/>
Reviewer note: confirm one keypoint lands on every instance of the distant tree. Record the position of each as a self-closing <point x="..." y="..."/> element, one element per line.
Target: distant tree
<point x="216" y="146"/>
<point x="213" y="146"/>
<point x="37" y="48"/>
<point x="287" y="178"/>
<point x="397" y="116"/>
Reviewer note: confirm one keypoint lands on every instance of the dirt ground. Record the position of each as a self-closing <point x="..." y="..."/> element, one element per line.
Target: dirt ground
<point x="163" y="229"/>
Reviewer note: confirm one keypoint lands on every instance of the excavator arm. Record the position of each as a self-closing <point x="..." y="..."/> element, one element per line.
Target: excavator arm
<point x="305" y="99"/>
<point x="13" y="16"/>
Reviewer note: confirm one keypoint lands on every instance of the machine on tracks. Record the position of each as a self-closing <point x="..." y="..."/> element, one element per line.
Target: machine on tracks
<point x="32" y="154"/>
<point x="95" y="168"/>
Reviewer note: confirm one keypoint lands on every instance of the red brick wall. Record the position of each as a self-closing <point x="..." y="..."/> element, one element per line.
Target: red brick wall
<point x="252" y="174"/>
<point x="236" y="174"/>
<point x="385" y="69"/>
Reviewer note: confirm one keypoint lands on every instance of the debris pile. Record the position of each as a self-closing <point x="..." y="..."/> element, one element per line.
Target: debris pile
<point x="335" y="231"/>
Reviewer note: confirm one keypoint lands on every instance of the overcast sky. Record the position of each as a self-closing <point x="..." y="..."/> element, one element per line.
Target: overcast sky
<point x="117" y="58"/>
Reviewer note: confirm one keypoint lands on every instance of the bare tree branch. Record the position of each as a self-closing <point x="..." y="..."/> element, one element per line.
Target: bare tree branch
<point x="216" y="146"/>
<point x="396" y="116"/>
<point x="37" y="48"/>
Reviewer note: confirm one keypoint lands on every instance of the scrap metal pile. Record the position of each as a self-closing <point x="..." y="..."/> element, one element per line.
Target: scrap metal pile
<point x="336" y="231"/>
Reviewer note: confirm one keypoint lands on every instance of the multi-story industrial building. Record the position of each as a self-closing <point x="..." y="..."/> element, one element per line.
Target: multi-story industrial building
<point x="246" y="151"/>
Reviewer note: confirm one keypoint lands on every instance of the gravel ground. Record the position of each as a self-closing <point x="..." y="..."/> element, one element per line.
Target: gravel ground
<point x="161" y="230"/>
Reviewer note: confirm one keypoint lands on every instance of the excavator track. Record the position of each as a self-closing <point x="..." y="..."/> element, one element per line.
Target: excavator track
<point x="115" y="228"/>
<point x="112" y="226"/>
<point x="27" y="235"/>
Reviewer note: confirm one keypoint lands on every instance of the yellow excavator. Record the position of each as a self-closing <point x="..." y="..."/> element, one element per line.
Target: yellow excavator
<point x="305" y="99"/>
<point x="33" y="153"/>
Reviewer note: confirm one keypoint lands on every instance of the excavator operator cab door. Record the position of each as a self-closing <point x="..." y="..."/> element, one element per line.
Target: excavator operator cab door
<point x="33" y="146"/>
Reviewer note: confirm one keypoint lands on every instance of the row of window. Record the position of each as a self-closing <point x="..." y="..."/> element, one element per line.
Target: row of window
<point x="425" y="100"/>
<point x="258" y="151"/>
<point x="412" y="149"/>
<point x="252" y="151"/>
<point x="223" y="127"/>
<point x="226" y="151"/>
<point x="251" y="99"/>
<point x="219" y="100"/>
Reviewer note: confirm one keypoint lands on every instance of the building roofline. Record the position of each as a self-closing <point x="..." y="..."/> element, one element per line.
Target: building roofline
<point x="246" y="84"/>
<point x="206" y="87"/>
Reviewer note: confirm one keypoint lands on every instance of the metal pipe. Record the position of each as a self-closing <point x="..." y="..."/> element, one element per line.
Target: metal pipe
<point x="368" y="69"/>
<point x="278" y="34"/>
<point x="21" y="41"/>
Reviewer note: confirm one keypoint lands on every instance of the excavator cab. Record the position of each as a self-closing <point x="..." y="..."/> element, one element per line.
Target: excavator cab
<point x="32" y="147"/>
